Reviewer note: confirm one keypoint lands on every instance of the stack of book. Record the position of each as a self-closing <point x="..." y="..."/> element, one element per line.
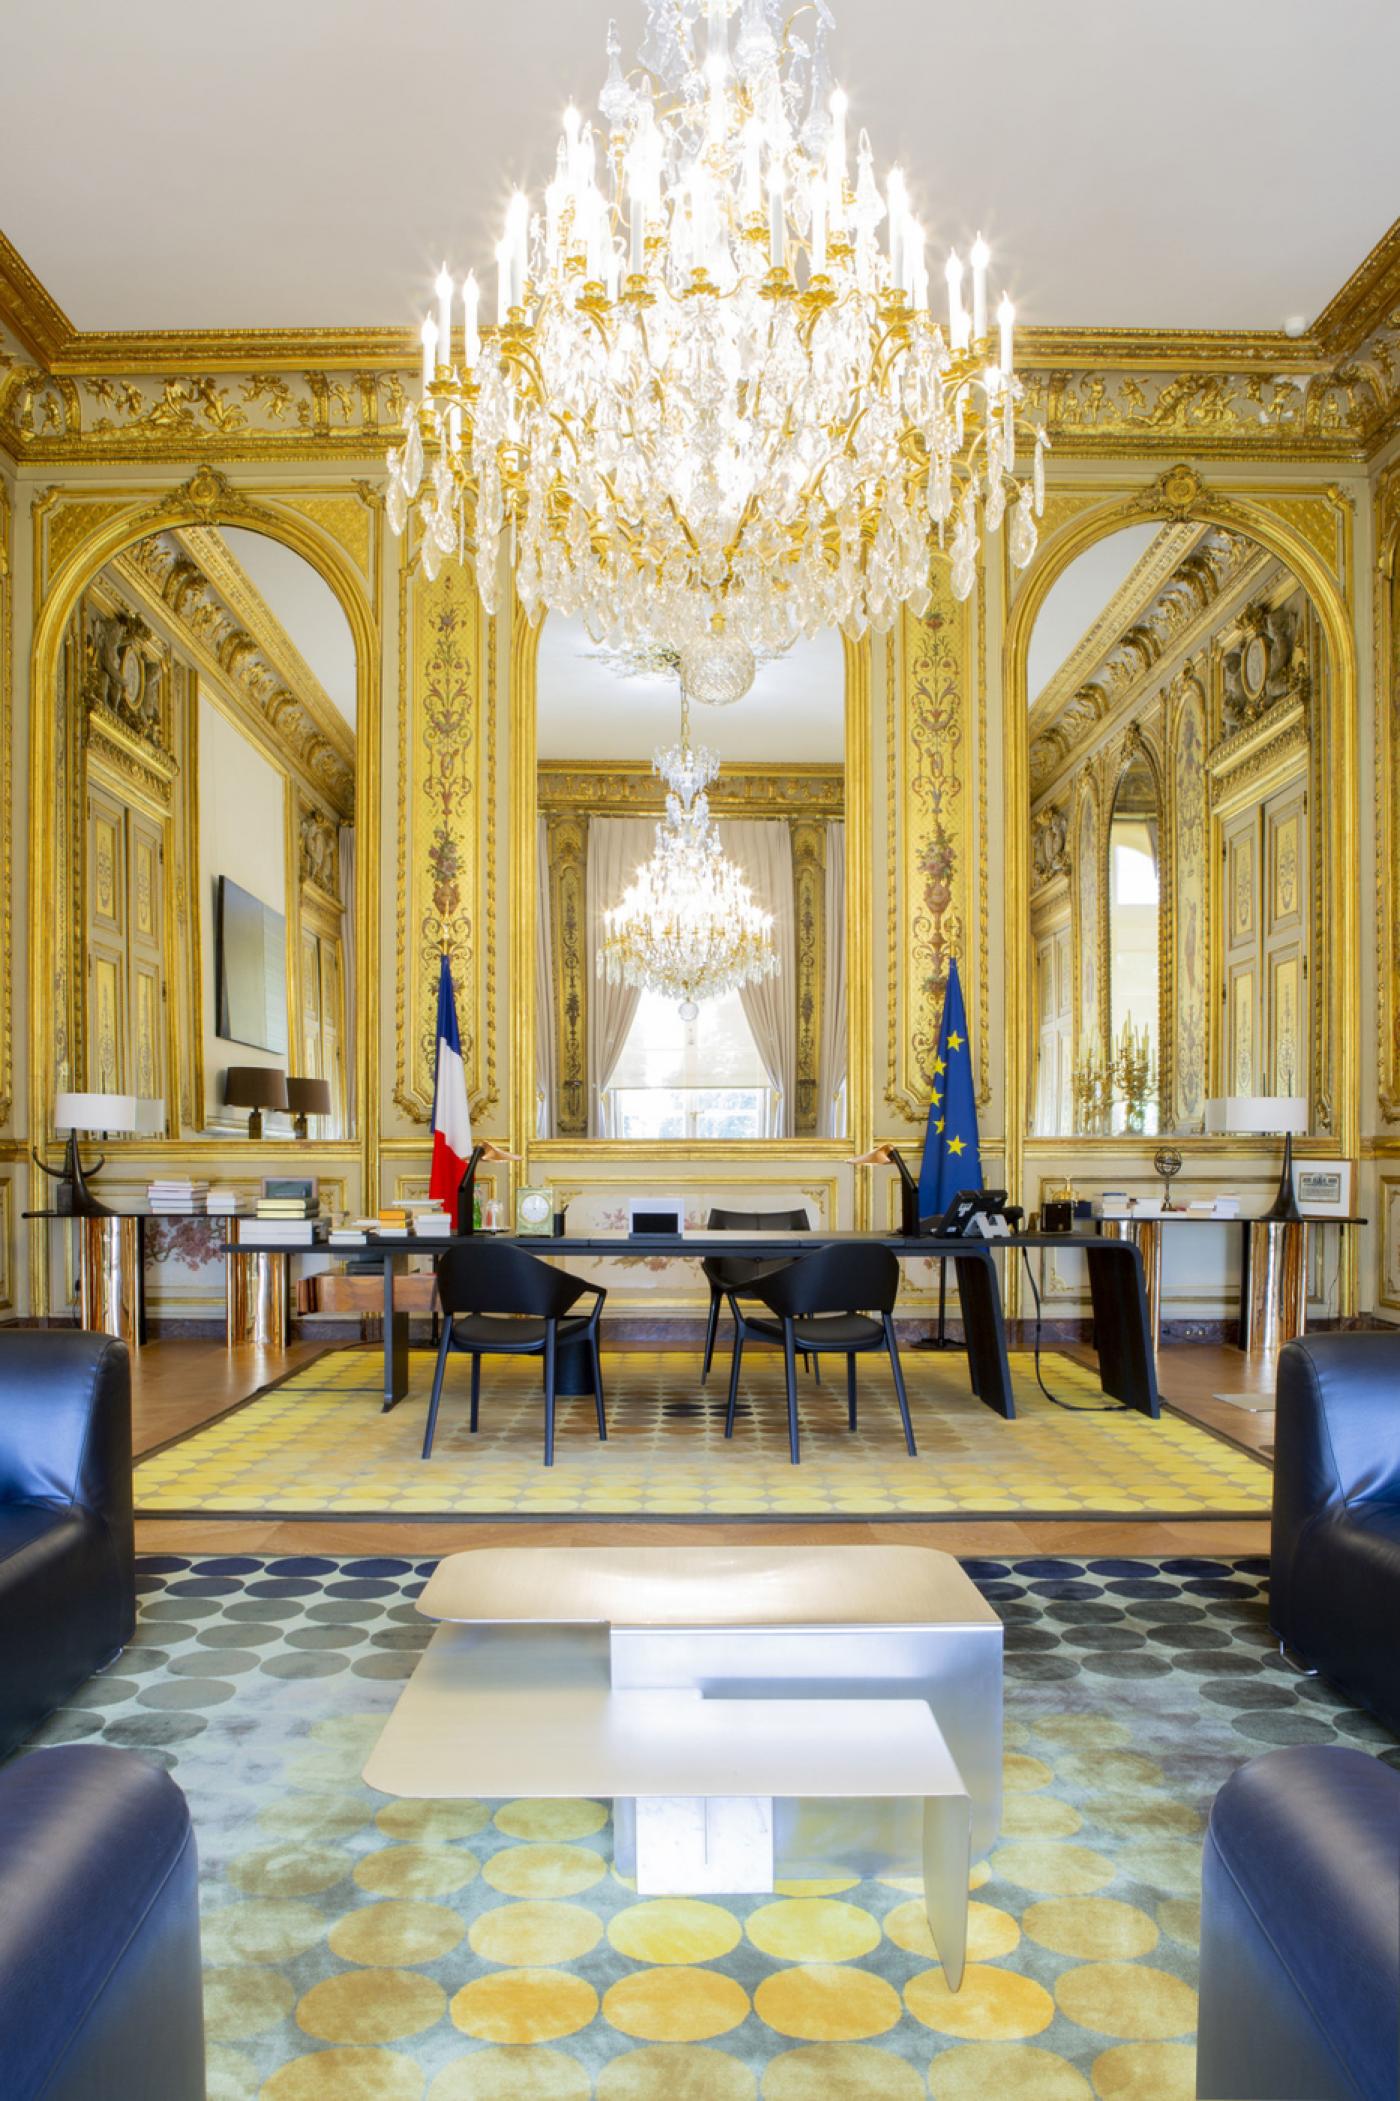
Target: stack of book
<point x="175" y="1195"/>
<point x="392" y="1223"/>
<point x="432" y="1225"/>
<point x="288" y="1220"/>
<point x="352" y="1232"/>
<point x="223" y="1201"/>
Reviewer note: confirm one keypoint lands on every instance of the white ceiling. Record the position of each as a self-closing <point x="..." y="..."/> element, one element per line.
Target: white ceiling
<point x="305" y="605"/>
<point x="794" y="711"/>
<point x="184" y="164"/>
<point x="1077" y="597"/>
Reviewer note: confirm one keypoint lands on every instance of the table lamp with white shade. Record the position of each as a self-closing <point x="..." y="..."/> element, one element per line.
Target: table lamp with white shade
<point x="85" y="1112"/>
<point x="1264" y="1115"/>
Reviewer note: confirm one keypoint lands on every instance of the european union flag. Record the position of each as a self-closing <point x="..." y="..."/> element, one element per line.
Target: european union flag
<point x="952" y="1158"/>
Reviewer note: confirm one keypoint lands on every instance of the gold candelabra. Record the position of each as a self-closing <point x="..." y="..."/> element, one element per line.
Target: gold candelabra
<point x="1125" y="1074"/>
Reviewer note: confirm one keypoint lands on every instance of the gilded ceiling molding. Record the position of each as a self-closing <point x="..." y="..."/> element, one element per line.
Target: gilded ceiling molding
<point x="808" y="790"/>
<point x="69" y="394"/>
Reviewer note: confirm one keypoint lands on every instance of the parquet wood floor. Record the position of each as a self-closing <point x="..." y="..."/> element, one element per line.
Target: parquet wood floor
<point x="177" y="1385"/>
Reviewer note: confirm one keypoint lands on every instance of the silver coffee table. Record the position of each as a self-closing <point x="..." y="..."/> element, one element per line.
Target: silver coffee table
<point x="725" y="1699"/>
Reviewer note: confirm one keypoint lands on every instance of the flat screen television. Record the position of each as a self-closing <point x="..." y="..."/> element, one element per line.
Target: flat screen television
<point x="251" y="953"/>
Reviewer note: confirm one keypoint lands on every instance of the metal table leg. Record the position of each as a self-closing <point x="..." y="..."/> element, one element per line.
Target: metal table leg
<point x="395" y="1336"/>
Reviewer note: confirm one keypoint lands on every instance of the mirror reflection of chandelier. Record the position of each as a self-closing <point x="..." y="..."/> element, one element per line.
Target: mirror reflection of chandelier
<point x="714" y="404"/>
<point x="687" y="926"/>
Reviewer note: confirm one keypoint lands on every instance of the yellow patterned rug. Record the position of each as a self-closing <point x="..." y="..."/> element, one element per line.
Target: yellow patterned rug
<point x="319" y="1445"/>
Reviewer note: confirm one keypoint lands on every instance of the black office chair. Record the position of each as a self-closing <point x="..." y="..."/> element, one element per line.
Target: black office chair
<point x="815" y="1299"/>
<point x="736" y="1273"/>
<point x="528" y="1315"/>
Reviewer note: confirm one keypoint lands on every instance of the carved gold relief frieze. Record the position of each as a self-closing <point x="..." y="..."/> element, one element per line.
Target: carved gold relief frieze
<point x="740" y="790"/>
<point x="446" y="881"/>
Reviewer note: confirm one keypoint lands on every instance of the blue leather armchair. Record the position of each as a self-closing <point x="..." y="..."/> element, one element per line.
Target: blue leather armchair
<point x="100" y="1982"/>
<point x="1300" y="1931"/>
<point x="67" y="1547"/>
<point x="1334" y="1584"/>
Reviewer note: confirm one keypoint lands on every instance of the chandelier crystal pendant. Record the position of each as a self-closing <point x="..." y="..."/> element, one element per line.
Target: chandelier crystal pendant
<point x="687" y="925"/>
<point x="714" y="405"/>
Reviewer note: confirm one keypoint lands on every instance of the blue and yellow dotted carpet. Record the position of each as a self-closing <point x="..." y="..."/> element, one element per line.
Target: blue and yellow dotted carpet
<point x="359" y="1948"/>
<point x="318" y="1445"/>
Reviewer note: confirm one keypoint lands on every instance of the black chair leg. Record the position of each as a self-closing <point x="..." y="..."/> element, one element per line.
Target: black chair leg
<point x="814" y="1364"/>
<point x="439" y="1368"/>
<point x="851" y="1391"/>
<point x="790" y="1367"/>
<point x="549" y="1336"/>
<point x="711" y="1329"/>
<point x="893" y="1347"/>
<point x="598" y="1391"/>
<point x="476" y="1390"/>
<point x="734" y="1381"/>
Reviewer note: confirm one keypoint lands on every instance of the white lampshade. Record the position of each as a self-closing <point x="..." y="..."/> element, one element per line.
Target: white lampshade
<point x="95" y="1112"/>
<point x="150" y="1116"/>
<point x="1257" y="1114"/>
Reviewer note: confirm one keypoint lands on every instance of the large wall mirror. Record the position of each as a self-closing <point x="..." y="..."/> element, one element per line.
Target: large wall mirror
<point x="207" y="710"/>
<point x="627" y="1061"/>
<point x="1174" y="674"/>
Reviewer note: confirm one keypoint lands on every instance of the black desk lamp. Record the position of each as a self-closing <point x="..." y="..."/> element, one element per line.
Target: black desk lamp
<point x="484" y="1149"/>
<point x="891" y="1156"/>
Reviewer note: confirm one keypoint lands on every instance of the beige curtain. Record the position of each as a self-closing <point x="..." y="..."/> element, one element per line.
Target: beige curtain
<point x="545" y="1074"/>
<point x="349" y="1035"/>
<point x="831" y="1069"/>
<point x="761" y="849"/>
<point x="617" y="846"/>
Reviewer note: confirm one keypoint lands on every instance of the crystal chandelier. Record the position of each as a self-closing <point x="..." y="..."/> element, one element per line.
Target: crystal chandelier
<point x="687" y="926"/>
<point x="714" y="405"/>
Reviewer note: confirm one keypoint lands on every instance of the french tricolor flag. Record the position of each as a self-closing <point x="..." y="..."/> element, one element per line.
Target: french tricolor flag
<point x="452" y="1121"/>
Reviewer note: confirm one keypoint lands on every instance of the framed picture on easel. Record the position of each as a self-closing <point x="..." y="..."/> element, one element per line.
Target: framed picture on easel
<point x="1323" y="1188"/>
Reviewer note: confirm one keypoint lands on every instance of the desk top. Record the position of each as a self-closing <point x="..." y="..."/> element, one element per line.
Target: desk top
<point x="683" y="1247"/>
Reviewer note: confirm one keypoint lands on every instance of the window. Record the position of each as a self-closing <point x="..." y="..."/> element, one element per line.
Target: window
<point x="689" y="1079"/>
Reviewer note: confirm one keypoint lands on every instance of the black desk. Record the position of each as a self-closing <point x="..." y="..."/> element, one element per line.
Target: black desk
<point x="1126" y="1365"/>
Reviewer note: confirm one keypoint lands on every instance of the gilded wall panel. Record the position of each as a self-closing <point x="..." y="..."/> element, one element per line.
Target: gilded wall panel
<point x="446" y="834"/>
<point x="1387" y="683"/>
<point x="935" y="838"/>
<point x="7" y="1244"/>
<point x="9" y="987"/>
<point x="1191" y="920"/>
<point x="1389" y="1263"/>
<point x="347" y="520"/>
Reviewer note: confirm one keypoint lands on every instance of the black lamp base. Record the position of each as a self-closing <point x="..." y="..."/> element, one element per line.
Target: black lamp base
<point x="908" y="1196"/>
<point x="72" y="1197"/>
<point x="466" y="1193"/>
<point x="1284" y="1208"/>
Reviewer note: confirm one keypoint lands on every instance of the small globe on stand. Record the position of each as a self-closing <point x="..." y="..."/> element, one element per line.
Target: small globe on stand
<point x="1167" y="1161"/>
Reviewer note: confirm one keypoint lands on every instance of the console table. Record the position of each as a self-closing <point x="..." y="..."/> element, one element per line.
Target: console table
<point x="111" y="1271"/>
<point x="715" y="1695"/>
<point x="1273" y="1270"/>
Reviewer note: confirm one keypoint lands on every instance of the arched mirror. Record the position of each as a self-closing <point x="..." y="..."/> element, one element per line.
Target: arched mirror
<point x="1175" y="673"/>
<point x="207" y="741"/>
<point x="625" y="1048"/>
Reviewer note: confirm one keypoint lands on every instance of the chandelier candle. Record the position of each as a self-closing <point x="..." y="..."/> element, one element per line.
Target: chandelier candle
<point x="714" y="406"/>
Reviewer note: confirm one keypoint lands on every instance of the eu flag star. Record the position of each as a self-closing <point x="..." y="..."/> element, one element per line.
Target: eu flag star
<point x="950" y="1162"/>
